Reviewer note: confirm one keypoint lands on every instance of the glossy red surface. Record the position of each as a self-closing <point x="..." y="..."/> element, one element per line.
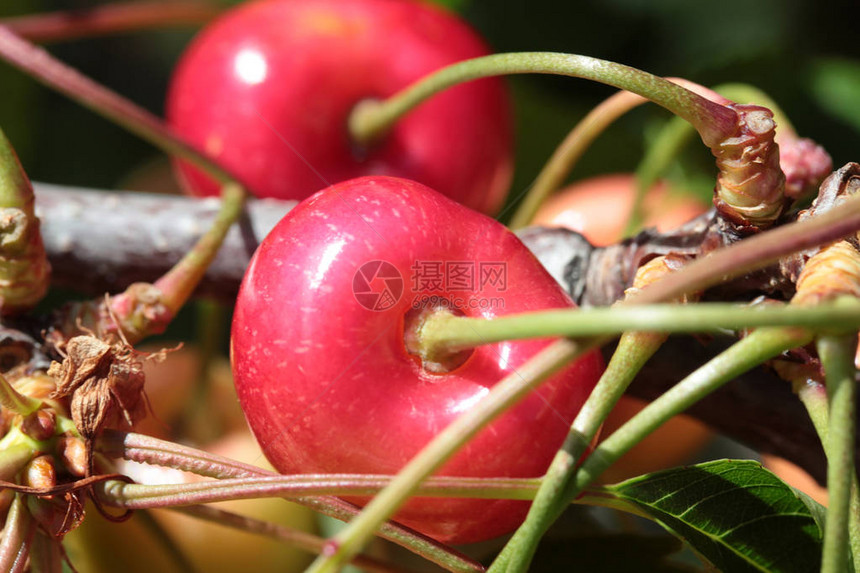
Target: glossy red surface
<point x="327" y="384"/>
<point x="267" y="90"/>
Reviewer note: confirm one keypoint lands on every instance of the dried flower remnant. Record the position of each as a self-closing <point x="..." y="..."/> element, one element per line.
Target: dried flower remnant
<point x="105" y="383"/>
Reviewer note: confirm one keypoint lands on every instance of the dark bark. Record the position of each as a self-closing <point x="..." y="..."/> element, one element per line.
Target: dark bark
<point x="100" y="241"/>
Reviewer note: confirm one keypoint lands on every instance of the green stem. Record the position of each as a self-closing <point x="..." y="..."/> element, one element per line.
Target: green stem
<point x="714" y="122"/>
<point x="566" y="155"/>
<point x="39" y="64"/>
<point x="143" y="496"/>
<point x="813" y="396"/>
<point x="180" y="281"/>
<point x="110" y="19"/>
<point x="659" y="154"/>
<point x="837" y="358"/>
<point x="143" y="309"/>
<point x="747" y="353"/>
<point x="444" y="332"/>
<point x="146" y="449"/>
<point x="504" y="394"/>
<point x="633" y="351"/>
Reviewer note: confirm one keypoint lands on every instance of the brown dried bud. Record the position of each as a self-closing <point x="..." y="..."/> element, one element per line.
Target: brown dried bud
<point x="750" y="185"/>
<point x="105" y="384"/>
<point x="40" y="473"/>
<point x="72" y="452"/>
<point x="40" y="425"/>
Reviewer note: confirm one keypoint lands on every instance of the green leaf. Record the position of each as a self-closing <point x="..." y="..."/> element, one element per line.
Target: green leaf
<point x="735" y="514"/>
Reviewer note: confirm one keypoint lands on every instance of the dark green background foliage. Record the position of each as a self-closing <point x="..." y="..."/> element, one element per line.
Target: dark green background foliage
<point x="804" y="54"/>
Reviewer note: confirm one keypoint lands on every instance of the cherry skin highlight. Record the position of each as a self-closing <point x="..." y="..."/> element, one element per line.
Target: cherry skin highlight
<point x="267" y="90"/>
<point x="322" y="370"/>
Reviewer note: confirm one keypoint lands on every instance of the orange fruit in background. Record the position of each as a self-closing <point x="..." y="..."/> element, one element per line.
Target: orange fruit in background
<point x="599" y="208"/>
<point x="796" y="477"/>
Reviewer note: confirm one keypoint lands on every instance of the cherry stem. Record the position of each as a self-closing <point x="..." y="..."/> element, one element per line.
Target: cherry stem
<point x="18" y="536"/>
<point x="633" y="351"/>
<point x="39" y="64"/>
<point x="146" y="449"/>
<point x="742" y="257"/>
<point x="142" y="496"/>
<point x="180" y="281"/>
<point x="445" y="333"/>
<point x="747" y="353"/>
<point x="566" y="155"/>
<point x="302" y="540"/>
<point x="813" y="396"/>
<point x="837" y="358"/>
<point x="110" y="19"/>
<point x="25" y="274"/>
<point x="714" y="122"/>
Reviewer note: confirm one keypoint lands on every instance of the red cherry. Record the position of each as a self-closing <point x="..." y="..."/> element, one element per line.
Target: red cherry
<point x="267" y="90"/>
<point x="327" y="383"/>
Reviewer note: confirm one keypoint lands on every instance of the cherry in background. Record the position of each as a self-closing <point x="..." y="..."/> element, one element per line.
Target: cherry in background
<point x="267" y="90"/>
<point x="598" y="208"/>
<point x="327" y="383"/>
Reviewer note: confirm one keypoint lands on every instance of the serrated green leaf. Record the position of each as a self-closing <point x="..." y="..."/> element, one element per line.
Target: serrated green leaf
<point x="735" y="514"/>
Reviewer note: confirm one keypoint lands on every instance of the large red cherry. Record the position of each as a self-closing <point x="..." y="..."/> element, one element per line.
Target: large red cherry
<point x="320" y="360"/>
<point x="267" y="90"/>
